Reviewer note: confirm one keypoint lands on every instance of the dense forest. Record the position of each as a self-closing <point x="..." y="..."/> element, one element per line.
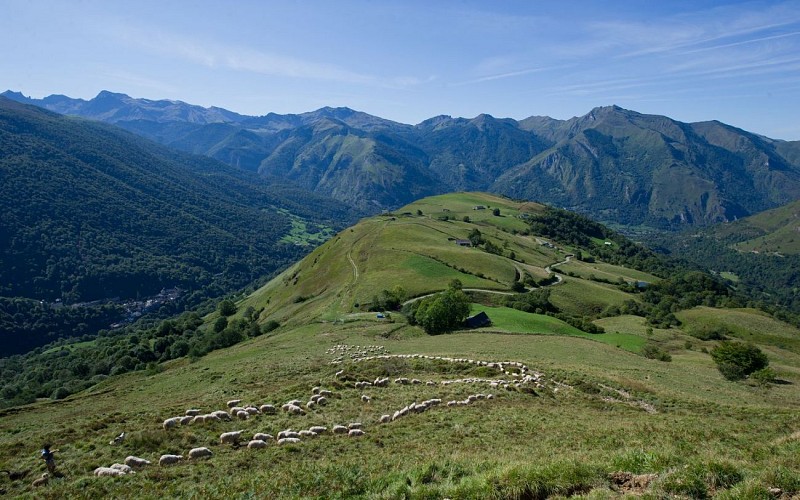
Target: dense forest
<point x="93" y="213"/>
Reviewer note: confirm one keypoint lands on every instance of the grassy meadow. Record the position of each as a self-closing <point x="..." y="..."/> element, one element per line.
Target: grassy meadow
<point x="592" y="412"/>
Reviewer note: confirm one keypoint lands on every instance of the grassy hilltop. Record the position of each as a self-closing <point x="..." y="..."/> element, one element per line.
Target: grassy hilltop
<point x="594" y="417"/>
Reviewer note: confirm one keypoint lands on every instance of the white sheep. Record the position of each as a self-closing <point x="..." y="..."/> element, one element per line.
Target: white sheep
<point x="355" y="433"/>
<point x="252" y="410"/>
<point x="186" y="420"/>
<point x="169" y="459"/>
<point x="257" y="444"/>
<point x="41" y="481"/>
<point x="318" y="429"/>
<point x="202" y="452"/>
<point x="288" y="441"/>
<point x="295" y="402"/>
<point x="267" y="409"/>
<point x="171" y="423"/>
<point x="108" y="471"/>
<point x="136" y="461"/>
<point x="385" y="419"/>
<point x="192" y="412"/>
<point x="234" y="402"/>
<point x="260" y="436"/>
<point x="236" y="409"/>
<point x="339" y="429"/>
<point x="295" y="410"/>
<point x="124" y="468"/>
<point x="326" y="393"/>
<point x="315" y="390"/>
<point x="242" y="415"/>
<point x="365" y="398"/>
<point x="309" y="434"/>
<point x="354" y="425"/>
<point x="232" y="437"/>
<point x="322" y="401"/>
<point x="199" y="419"/>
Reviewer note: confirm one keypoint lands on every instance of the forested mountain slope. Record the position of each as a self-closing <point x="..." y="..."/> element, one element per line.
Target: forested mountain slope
<point x="91" y="212"/>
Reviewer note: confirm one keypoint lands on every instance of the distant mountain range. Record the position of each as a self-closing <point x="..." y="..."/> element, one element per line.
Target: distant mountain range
<point x="613" y="164"/>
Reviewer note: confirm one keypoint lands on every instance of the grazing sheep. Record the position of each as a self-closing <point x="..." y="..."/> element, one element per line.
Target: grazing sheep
<point x="257" y="444"/>
<point x="232" y="437"/>
<point x="108" y="471"/>
<point x="326" y="393"/>
<point x="136" y="461"/>
<point x="354" y="425"/>
<point x="252" y="410"/>
<point x="169" y="459"/>
<point x="339" y="429"/>
<point x="338" y="374"/>
<point x="322" y="401"/>
<point x="242" y="415"/>
<point x="315" y="390"/>
<point x="315" y="398"/>
<point x="288" y="441"/>
<point x="310" y="405"/>
<point x="295" y="402"/>
<point x="236" y="409"/>
<point x="385" y="419"/>
<point x="192" y="413"/>
<point x="41" y="481"/>
<point x="124" y="468"/>
<point x="234" y="402"/>
<point x="260" y="436"/>
<point x="186" y="420"/>
<point x="267" y="409"/>
<point x="171" y="423"/>
<point x="365" y="398"/>
<point x="355" y="433"/>
<point x="212" y="418"/>
<point x="295" y="410"/>
<point x="416" y="381"/>
<point x="309" y="434"/>
<point x="318" y="429"/>
<point x="199" y="419"/>
<point x="200" y="453"/>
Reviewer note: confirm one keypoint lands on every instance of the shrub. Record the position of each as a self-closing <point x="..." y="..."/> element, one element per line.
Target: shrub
<point x="226" y="308"/>
<point x="764" y="376"/>
<point x="737" y="360"/>
<point x="654" y="351"/>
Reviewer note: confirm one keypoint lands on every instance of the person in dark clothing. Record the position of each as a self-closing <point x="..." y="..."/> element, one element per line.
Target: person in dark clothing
<point x="49" y="458"/>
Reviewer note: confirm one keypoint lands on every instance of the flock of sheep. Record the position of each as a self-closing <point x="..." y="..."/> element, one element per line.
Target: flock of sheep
<point x="519" y="374"/>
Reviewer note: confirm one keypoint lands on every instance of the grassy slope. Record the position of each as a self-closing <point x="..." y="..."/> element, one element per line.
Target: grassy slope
<point x="565" y="438"/>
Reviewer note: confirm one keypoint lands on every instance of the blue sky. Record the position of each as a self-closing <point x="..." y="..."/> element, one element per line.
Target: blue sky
<point x="738" y="62"/>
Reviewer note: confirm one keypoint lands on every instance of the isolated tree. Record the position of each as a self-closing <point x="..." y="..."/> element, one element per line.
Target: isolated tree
<point x="737" y="360"/>
<point x="226" y="308"/>
<point x="442" y="312"/>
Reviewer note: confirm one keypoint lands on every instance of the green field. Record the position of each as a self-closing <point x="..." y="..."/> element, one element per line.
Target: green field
<point x="577" y="409"/>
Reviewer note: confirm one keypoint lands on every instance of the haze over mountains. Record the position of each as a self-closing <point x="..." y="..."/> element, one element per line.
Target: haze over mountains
<point x="613" y="164"/>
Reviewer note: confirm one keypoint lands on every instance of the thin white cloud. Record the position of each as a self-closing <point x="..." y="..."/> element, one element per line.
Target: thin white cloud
<point x="509" y="74"/>
<point x="246" y="59"/>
